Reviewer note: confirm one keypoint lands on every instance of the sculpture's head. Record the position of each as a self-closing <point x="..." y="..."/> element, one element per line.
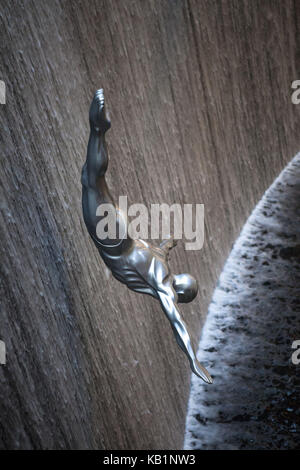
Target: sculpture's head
<point x="186" y="287"/>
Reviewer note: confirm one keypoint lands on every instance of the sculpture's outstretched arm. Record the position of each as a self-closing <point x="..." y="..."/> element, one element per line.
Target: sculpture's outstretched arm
<point x="167" y="297"/>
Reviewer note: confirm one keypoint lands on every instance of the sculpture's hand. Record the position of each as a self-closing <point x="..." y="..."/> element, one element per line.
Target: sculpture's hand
<point x="98" y="118"/>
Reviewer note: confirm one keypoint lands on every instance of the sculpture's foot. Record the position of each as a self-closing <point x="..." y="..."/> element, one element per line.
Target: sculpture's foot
<point x="98" y="118"/>
<point x="167" y="245"/>
<point x="201" y="372"/>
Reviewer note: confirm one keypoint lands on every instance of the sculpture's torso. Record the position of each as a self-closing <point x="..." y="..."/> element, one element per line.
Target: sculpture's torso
<point x="140" y="266"/>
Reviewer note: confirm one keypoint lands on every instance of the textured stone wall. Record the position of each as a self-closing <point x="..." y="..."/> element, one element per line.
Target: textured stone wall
<point x="199" y="98"/>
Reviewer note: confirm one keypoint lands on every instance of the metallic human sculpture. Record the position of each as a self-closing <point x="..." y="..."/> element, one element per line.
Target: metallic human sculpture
<point x="141" y="266"/>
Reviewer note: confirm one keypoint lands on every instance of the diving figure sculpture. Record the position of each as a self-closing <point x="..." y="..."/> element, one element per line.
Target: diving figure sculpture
<point x="142" y="267"/>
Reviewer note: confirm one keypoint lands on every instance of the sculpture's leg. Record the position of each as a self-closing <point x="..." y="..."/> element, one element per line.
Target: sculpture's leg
<point x="167" y="298"/>
<point x="97" y="158"/>
<point x="95" y="191"/>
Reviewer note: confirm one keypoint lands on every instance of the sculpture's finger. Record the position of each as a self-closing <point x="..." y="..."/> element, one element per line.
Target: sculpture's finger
<point x="201" y="372"/>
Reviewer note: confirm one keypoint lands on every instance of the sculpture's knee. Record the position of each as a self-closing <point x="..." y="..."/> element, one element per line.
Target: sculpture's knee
<point x="186" y="287"/>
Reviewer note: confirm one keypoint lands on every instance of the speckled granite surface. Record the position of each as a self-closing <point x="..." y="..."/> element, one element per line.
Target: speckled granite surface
<point x="252" y="322"/>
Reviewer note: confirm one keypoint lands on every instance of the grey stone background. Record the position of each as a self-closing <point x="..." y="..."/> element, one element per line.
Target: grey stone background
<point x="199" y="95"/>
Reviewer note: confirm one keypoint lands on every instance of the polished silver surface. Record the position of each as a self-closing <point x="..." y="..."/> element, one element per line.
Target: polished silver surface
<point x="142" y="267"/>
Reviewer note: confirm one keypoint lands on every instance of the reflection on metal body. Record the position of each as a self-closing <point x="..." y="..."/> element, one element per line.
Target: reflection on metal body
<point x="142" y="267"/>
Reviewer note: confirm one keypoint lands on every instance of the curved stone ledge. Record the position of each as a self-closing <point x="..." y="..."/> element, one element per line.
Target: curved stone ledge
<point x="247" y="340"/>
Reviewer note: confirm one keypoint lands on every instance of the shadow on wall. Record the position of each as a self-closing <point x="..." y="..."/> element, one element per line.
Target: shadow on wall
<point x="247" y="341"/>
